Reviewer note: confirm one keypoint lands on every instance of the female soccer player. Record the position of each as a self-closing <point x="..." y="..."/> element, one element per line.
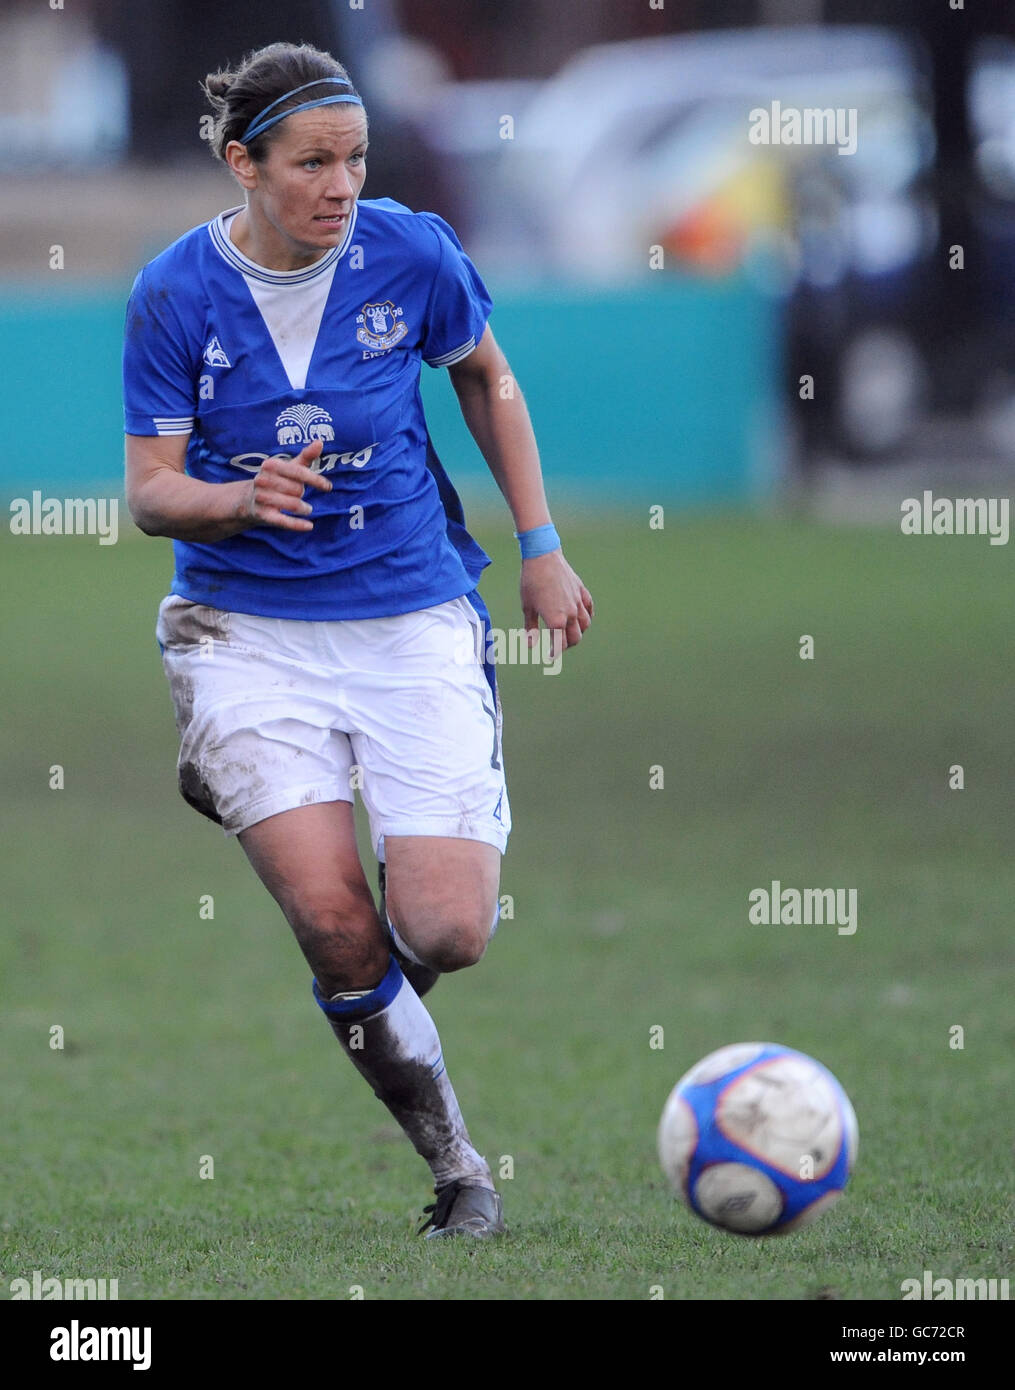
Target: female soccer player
<point x="323" y="631"/>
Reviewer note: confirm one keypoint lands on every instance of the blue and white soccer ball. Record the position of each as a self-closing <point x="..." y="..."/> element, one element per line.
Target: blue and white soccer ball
<point x="758" y="1139"/>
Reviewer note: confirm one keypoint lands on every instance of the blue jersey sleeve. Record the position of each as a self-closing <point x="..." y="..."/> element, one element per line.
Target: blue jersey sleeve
<point x="459" y="303"/>
<point x="159" y="381"/>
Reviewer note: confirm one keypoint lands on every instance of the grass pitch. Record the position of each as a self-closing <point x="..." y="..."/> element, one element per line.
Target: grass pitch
<point x="187" y="1037"/>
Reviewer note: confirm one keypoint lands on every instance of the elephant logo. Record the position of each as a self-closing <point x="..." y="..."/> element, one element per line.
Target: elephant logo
<point x="302" y="424"/>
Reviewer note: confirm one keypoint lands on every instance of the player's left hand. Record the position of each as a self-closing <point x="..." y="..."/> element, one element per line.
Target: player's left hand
<point x="551" y="590"/>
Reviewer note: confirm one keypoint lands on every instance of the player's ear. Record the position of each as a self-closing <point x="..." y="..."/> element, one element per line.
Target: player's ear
<point x="243" y="167"/>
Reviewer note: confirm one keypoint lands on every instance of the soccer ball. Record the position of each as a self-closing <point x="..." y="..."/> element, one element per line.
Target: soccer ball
<point x="758" y="1139"/>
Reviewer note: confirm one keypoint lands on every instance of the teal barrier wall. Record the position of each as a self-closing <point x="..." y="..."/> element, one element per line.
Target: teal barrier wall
<point x="666" y="393"/>
<point x="661" y="393"/>
<point x="60" y="370"/>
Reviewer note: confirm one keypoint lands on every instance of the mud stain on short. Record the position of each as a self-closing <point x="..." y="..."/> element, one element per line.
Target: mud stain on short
<point x="187" y="623"/>
<point x="181" y="688"/>
<point x="196" y="792"/>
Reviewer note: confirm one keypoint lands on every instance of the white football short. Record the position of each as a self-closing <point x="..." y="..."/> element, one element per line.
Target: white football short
<point x="275" y="713"/>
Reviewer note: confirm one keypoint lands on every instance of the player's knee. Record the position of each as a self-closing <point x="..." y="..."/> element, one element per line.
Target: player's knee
<point x="446" y="939"/>
<point x="458" y="947"/>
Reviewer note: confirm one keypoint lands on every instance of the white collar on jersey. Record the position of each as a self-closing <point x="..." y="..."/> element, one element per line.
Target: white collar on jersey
<point x="230" y="252"/>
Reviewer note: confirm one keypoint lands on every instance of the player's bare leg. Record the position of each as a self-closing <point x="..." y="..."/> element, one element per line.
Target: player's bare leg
<point x="442" y="897"/>
<point x="420" y="976"/>
<point x="308" y="860"/>
<point x="442" y="906"/>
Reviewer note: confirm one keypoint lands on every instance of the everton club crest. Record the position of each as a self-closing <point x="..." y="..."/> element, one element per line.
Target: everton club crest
<point x="380" y="326"/>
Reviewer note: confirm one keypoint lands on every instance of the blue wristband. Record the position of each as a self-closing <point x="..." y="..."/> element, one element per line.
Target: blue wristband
<point x="539" y="541"/>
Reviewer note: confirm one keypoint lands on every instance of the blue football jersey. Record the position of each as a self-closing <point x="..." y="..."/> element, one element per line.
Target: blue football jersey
<point x="250" y="362"/>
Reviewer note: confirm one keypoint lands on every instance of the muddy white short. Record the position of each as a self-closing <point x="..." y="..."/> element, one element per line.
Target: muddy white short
<point x="275" y="713"/>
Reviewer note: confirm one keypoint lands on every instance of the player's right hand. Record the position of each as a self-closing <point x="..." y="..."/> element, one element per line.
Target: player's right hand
<point x="275" y="494"/>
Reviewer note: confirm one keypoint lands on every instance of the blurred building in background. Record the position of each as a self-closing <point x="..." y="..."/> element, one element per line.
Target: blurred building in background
<point x="673" y="258"/>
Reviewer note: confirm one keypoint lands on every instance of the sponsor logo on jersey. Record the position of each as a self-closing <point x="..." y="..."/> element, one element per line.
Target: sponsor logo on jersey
<point x="302" y="424"/>
<point x="324" y="463"/>
<point x="381" y="326"/>
<point x="214" y="354"/>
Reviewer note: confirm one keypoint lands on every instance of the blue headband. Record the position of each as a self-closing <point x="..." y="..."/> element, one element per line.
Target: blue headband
<point x="259" y="125"/>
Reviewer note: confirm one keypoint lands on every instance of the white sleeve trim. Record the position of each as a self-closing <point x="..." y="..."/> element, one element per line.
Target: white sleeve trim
<point x="448" y="359"/>
<point x="181" y="424"/>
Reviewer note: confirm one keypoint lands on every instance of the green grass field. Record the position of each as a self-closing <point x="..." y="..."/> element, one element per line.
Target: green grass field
<point x="187" y="1037"/>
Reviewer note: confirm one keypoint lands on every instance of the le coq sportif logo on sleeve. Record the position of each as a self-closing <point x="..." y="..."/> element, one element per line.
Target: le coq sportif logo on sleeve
<point x="214" y="354"/>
